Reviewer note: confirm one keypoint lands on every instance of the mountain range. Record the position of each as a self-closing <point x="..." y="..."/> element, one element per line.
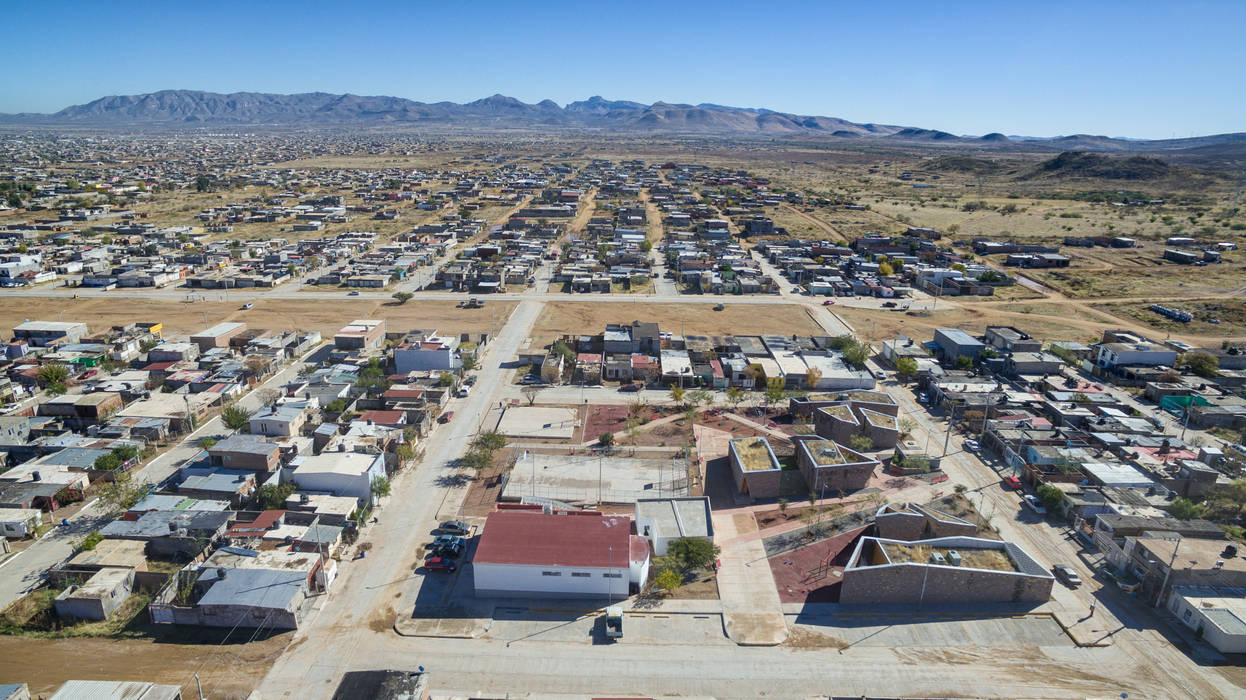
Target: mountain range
<point x="192" y="108"/>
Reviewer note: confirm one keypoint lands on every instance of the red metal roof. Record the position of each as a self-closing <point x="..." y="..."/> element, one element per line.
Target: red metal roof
<point x="563" y="538"/>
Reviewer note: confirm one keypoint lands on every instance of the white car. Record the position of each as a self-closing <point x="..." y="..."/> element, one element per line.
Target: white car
<point x="972" y="445"/>
<point x="1031" y="501"/>
<point x="463" y="391"/>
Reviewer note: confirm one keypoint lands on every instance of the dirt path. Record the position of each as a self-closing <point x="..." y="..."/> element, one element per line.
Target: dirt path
<point x="835" y="235"/>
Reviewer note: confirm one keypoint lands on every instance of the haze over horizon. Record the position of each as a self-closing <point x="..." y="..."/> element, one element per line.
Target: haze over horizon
<point x="1115" y="69"/>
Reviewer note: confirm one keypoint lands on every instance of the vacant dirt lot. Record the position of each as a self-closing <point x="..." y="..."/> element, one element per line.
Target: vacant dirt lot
<point x="231" y="670"/>
<point x="324" y="315"/>
<point x="562" y="317"/>
<point x="1231" y="314"/>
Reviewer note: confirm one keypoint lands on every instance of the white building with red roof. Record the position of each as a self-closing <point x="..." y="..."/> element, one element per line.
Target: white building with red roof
<point x="527" y="553"/>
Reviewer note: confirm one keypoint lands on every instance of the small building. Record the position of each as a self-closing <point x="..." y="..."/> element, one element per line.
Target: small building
<point x="217" y="336"/>
<point x="828" y="466"/>
<point x="524" y="552"/>
<point x="909" y="521"/>
<point x="953" y="343"/>
<point x="41" y="334"/>
<point x="117" y="690"/>
<point x="943" y="571"/>
<point x="755" y="467"/>
<point x="340" y="472"/>
<point x="19" y="522"/>
<point x="245" y="452"/>
<point x="98" y="597"/>
<point x="1217" y="615"/>
<point x="360" y="334"/>
<point x="664" y="520"/>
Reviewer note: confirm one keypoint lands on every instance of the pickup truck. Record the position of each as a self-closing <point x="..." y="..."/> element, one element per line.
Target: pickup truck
<point x="614" y="622"/>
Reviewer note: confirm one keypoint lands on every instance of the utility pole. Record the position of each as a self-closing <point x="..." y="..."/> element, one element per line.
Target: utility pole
<point x="1159" y="598"/>
<point x="951" y="418"/>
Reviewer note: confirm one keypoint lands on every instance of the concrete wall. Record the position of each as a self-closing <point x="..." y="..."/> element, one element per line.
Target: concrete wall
<point x="903" y="584"/>
<point x="241" y="616"/>
<point x="525" y="581"/>
<point x="908" y="525"/>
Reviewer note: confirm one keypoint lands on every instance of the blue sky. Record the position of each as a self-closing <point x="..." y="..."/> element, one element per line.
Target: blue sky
<point x="1139" y="69"/>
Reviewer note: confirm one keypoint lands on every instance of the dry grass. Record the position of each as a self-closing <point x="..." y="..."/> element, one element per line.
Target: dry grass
<point x="804" y="638"/>
<point x="587" y="316"/>
<point x="990" y="559"/>
<point x="754" y="457"/>
<point x="324" y="315"/>
<point x="1230" y="312"/>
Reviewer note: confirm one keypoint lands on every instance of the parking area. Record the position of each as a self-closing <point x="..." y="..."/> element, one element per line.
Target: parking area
<point x="519" y="624"/>
<point x="936" y="629"/>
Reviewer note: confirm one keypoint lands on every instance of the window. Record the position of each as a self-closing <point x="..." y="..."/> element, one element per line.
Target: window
<point x="612" y="575"/>
<point x="580" y="574"/>
<point x="551" y="573"/>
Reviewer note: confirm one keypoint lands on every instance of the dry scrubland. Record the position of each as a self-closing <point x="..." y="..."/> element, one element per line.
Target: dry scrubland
<point x="324" y="315"/>
<point x="560" y="317"/>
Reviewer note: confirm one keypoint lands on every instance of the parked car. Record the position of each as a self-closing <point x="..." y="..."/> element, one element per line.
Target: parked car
<point x="354" y="293"/>
<point x="889" y="305"/>
<point x="718" y="307"/>
<point x="829" y="302"/>
<point x="445" y="417"/>
<point x="879" y="374"/>
<point x="1011" y="482"/>
<point x="1031" y="501"/>
<point x="448" y="546"/>
<point x="922" y="398"/>
<point x="463" y="391"/>
<point x="972" y="445"/>
<point x="453" y="527"/>
<point x="247" y="305"/>
<point x="1067" y="575"/>
<point x="440" y="564"/>
<point x="471" y="380"/>
<point x="630" y="387"/>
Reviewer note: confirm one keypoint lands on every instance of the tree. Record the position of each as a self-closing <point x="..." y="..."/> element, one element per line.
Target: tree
<point x="236" y="417"/>
<point x="489" y="441"/>
<point x="812" y="376"/>
<point x="148" y="345"/>
<point x="783" y="506"/>
<point x="54" y="373"/>
<point x="861" y="443"/>
<point x="529" y="393"/>
<point x="1201" y="363"/>
<point x="1185" y="509"/>
<point x="677" y="394"/>
<point x="700" y="397"/>
<point x="606" y="439"/>
<point x="1050" y="495"/>
<point x="693" y="553"/>
<point x="856" y="353"/>
<point x="107" y="462"/>
<point x="735" y="396"/>
<point x="906" y="368"/>
<point x="962" y="362"/>
<point x="668" y="580"/>
<point x="885" y="269"/>
<point x="774" y="394"/>
<point x="206" y="443"/>
<point x="203" y="183"/>
<point x="646" y="245"/>
<point x="380" y="487"/>
<point x="273" y="496"/>
<point x="403" y="297"/>
<point x="469" y="363"/>
<point x="476" y="460"/>
<point x="121" y="493"/>
<point x="445" y="380"/>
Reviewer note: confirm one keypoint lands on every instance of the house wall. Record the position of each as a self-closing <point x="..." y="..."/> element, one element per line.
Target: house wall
<point x="243" y="616"/>
<point x="916" y="526"/>
<point x="904" y="584"/>
<point x="527" y="581"/>
<point x="1191" y="615"/>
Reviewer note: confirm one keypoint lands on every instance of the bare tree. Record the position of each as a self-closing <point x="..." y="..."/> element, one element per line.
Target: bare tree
<point x="529" y="393"/>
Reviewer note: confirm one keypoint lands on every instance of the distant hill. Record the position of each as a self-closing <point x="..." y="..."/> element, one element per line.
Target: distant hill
<point x="195" y="108"/>
<point x="961" y="164"/>
<point x="1097" y="165"/>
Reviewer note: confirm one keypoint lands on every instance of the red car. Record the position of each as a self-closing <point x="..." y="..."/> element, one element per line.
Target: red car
<point x="1012" y="482"/>
<point x="829" y="302"/>
<point x="630" y="387"/>
<point x="445" y="417"/>
<point x="440" y="564"/>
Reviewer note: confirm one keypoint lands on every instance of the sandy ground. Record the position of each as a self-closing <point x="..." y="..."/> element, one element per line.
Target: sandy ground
<point x="226" y="671"/>
<point x="588" y="317"/>
<point x="311" y="314"/>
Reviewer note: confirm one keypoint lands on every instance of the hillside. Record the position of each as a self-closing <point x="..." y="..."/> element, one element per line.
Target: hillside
<point x="1095" y="165"/>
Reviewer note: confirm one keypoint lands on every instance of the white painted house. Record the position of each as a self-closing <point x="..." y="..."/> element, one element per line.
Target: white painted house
<point x="527" y="553"/>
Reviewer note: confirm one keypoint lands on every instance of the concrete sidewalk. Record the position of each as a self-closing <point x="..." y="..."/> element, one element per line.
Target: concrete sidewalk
<point x="752" y="613"/>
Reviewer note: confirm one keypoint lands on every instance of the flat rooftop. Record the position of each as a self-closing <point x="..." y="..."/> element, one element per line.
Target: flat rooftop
<point x="754" y="454"/>
<point x="991" y="559"/>
<point x="689" y="517"/>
